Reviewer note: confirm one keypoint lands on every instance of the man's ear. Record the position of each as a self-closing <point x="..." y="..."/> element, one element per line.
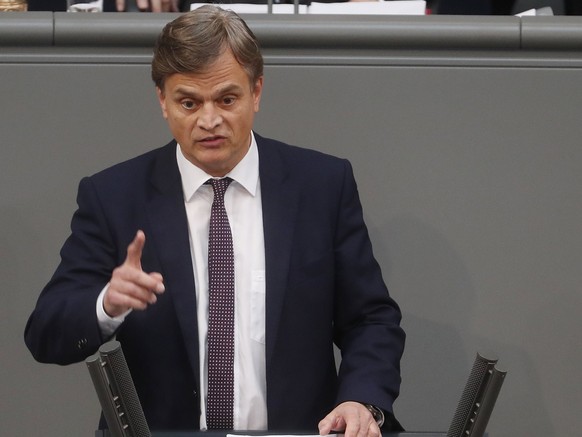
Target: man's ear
<point x="257" y="92"/>
<point x="162" y="100"/>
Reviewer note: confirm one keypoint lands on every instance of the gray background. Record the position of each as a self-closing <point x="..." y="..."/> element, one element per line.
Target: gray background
<point x="464" y="134"/>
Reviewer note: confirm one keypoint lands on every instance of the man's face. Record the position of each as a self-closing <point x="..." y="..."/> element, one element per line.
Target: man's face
<point x="211" y="114"/>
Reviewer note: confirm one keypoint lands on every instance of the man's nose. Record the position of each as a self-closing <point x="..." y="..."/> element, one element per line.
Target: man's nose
<point x="209" y="117"/>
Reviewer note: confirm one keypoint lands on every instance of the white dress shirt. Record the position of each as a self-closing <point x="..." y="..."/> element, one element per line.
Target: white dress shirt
<point x="244" y="209"/>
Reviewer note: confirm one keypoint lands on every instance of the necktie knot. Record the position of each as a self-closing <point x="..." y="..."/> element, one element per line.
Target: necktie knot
<point x="219" y="185"/>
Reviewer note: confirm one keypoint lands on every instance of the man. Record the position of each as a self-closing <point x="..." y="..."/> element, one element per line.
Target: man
<point x="138" y="262"/>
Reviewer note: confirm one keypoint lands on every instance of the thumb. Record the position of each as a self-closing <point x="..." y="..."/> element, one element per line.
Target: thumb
<point x="134" y="250"/>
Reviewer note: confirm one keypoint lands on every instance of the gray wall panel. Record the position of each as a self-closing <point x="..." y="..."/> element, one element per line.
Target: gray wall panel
<point x="469" y="167"/>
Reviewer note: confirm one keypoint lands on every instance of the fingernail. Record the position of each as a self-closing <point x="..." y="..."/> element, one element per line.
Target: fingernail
<point x="161" y="288"/>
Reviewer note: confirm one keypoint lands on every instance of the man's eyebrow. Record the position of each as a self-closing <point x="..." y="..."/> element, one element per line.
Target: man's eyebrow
<point x="185" y="91"/>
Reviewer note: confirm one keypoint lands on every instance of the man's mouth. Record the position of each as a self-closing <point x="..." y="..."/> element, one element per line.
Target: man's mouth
<point x="213" y="141"/>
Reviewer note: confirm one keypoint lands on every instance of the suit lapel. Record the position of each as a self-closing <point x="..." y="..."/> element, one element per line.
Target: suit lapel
<point x="280" y="201"/>
<point x="169" y="224"/>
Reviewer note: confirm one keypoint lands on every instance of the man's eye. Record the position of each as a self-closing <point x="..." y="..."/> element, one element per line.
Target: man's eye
<point x="228" y="100"/>
<point x="188" y="104"/>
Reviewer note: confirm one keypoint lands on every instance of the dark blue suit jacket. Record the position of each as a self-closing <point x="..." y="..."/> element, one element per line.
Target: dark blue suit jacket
<point x="323" y="285"/>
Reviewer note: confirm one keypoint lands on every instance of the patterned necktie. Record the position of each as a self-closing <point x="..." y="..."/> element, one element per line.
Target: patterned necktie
<point x="219" y="409"/>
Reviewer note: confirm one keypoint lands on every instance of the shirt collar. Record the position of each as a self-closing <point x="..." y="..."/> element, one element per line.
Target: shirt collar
<point x="245" y="173"/>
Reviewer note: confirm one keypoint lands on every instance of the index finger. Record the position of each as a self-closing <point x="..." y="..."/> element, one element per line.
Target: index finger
<point x="135" y="249"/>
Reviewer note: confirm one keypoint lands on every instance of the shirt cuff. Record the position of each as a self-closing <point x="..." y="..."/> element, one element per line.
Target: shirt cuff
<point x="107" y="324"/>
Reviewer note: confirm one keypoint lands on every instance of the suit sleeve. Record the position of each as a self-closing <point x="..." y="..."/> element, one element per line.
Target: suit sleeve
<point x="367" y="320"/>
<point x="63" y="327"/>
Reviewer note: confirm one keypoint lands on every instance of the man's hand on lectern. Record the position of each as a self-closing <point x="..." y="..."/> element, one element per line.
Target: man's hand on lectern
<point x="351" y="418"/>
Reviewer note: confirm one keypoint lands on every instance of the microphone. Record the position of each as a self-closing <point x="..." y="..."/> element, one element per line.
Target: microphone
<point x="478" y="399"/>
<point x="116" y="392"/>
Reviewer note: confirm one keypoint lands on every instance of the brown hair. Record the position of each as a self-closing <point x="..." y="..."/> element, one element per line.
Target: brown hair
<point x="194" y="40"/>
